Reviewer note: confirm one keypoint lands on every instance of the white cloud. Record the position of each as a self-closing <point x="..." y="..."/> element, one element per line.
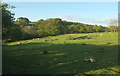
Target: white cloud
<point x="101" y="21"/>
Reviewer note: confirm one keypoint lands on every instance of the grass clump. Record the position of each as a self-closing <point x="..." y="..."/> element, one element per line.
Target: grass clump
<point x="84" y="44"/>
<point x="45" y="51"/>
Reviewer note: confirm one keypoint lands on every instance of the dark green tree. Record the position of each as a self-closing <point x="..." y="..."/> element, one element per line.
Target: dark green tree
<point x="98" y="28"/>
<point x="82" y="29"/>
<point x="89" y="29"/>
<point x="22" y="21"/>
<point x="15" y="33"/>
<point x="48" y="27"/>
<point x="7" y="20"/>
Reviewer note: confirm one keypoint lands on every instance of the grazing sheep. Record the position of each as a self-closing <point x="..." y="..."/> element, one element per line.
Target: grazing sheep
<point x="19" y="43"/>
<point x="38" y="38"/>
<point x="92" y="60"/>
<point x="86" y="59"/>
<point x="100" y="34"/>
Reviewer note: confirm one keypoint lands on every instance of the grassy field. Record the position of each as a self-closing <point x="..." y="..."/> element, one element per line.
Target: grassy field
<point x="56" y="55"/>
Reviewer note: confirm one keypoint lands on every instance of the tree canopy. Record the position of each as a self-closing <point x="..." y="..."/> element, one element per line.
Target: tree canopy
<point x="22" y="21"/>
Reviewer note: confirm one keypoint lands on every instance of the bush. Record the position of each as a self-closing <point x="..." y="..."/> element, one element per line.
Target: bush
<point x="15" y="33"/>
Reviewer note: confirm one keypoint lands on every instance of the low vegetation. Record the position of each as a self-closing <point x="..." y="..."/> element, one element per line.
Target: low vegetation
<point x="60" y="56"/>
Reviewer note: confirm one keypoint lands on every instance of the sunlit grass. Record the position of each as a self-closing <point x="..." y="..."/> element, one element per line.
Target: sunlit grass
<point x="63" y="56"/>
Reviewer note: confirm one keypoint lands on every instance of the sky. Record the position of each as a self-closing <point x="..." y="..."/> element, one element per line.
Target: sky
<point x="99" y="13"/>
<point x="60" y="0"/>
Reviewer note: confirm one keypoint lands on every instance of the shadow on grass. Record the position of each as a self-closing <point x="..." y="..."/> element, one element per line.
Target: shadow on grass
<point x="59" y="59"/>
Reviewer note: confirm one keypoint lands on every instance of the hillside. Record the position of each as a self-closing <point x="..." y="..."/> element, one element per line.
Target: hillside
<point x="57" y="55"/>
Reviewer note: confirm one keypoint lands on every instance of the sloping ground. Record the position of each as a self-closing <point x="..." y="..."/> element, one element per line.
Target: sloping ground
<point x="109" y="70"/>
<point x="56" y="55"/>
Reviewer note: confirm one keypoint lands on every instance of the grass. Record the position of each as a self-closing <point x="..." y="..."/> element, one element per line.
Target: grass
<point x="57" y="55"/>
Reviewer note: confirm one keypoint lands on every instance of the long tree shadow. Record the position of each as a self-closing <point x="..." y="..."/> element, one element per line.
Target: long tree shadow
<point x="58" y="59"/>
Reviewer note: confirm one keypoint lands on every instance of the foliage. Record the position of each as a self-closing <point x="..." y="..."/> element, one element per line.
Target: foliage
<point x="7" y="19"/>
<point x="98" y="28"/>
<point x="89" y="29"/>
<point x="113" y="28"/>
<point x="29" y="32"/>
<point x="107" y="29"/>
<point x="57" y="26"/>
<point x="113" y="25"/>
<point x="49" y="27"/>
<point x="15" y="33"/>
<point x="82" y="29"/>
<point x="22" y="21"/>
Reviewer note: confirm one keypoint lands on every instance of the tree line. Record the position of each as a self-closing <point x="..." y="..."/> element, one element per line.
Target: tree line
<point x="22" y="28"/>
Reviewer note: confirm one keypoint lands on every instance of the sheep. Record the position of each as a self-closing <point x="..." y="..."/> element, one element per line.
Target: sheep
<point x="33" y="38"/>
<point x="92" y="60"/>
<point x="19" y="43"/>
<point x="38" y="38"/>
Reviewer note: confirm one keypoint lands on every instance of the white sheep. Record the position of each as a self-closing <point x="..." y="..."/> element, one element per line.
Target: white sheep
<point x="19" y="43"/>
<point x="38" y="38"/>
<point x="92" y="60"/>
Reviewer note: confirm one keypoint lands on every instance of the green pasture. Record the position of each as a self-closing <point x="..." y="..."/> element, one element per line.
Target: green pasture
<point x="57" y="55"/>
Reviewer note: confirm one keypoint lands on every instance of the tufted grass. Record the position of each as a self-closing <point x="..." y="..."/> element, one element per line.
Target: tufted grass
<point x="57" y="55"/>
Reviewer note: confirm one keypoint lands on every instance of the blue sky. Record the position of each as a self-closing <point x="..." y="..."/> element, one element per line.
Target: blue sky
<point x="60" y="0"/>
<point x="86" y="12"/>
